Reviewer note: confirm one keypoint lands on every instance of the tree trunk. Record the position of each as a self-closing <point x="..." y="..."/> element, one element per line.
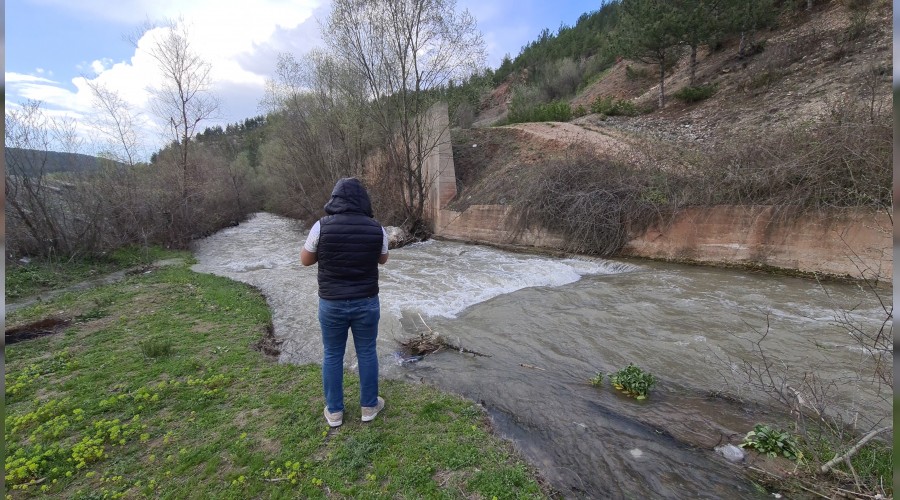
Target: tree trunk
<point x="809" y="4"/>
<point x="693" y="64"/>
<point x="743" y="45"/>
<point x="662" y="82"/>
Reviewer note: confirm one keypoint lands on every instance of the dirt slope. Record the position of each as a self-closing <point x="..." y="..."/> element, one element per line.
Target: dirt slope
<point x="809" y="67"/>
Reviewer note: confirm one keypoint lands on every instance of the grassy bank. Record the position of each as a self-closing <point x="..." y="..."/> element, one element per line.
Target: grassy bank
<point x="156" y="389"/>
<point x="25" y="279"/>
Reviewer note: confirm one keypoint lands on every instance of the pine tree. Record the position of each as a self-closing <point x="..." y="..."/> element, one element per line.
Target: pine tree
<point x="701" y="21"/>
<point x="650" y="31"/>
<point x="747" y="17"/>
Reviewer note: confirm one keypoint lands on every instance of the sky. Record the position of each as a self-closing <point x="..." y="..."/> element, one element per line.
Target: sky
<point x="53" y="48"/>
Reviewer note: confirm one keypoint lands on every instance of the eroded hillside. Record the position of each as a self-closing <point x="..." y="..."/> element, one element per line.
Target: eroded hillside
<point x="830" y="64"/>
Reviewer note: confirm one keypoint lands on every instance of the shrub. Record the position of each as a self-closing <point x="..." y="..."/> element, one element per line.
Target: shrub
<point x="156" y="347"/>
<point x="555" y="111"/>
<point x="613" y="107"/>
<point x="772" y="442"/>
<point x="695" y="94"/>
<point x="633" y="381"/>
<point x="591" y="200"/>
<point x="559" y="79"/>
<point x="636" y="73"/>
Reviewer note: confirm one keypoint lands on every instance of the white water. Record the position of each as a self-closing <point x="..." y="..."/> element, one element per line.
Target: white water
<point x="443" y="279"/>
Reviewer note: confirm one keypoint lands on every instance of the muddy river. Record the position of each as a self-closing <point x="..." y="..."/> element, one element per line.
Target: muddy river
<point x="550" y="324"/>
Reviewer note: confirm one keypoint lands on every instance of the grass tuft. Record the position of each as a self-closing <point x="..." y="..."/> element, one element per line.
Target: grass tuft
<point x="156" y="347"/>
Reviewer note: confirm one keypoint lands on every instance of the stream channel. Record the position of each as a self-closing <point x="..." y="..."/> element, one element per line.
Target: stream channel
<point x="550" y="324"/>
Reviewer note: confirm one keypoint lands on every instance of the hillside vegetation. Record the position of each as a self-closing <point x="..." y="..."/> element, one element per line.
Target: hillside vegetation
<point x="786" y="105"/>
<point x="801" y="122"/>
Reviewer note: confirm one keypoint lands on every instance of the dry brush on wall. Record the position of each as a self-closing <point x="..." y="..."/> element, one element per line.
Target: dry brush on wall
<point x="827" y="165"/>
<point x="595" y="203"/>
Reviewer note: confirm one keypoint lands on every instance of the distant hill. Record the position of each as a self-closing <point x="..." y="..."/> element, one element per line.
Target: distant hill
<point x="31" y="161"/>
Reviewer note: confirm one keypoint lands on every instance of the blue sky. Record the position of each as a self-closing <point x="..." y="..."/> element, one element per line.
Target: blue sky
<point x="53" y="47"/>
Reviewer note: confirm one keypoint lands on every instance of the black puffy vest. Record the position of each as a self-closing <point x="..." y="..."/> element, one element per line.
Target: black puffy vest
<point x="350" y="244"/>
<point x="348" y="251"/>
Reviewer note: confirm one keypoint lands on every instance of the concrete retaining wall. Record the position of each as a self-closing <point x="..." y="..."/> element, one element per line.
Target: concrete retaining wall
<point x="855" y="243"/>
<point x="847" y="242"/>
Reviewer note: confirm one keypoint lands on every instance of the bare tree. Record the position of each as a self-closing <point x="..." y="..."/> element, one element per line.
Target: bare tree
<point x="38" y="212"/>
<point x="185" y="98"/>
<point x="320" y="131"/>
<point x="405" y="49"/>
<point x="115" y="123"/>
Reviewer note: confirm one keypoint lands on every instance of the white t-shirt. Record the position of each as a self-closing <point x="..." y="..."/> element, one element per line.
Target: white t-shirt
<point x="312" y="241"/>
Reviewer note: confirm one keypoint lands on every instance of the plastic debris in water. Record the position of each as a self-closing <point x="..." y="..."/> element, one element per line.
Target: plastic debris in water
<point x="636" y="452"/>
<point x="731" y="452"/>
<point x="401" y="360"/>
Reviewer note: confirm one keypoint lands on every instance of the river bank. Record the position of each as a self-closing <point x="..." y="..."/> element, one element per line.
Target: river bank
<point x="158" y="388"/>
<point x="842" y="244"/>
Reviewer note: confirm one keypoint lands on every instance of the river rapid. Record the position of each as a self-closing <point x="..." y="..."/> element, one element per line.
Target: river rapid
<point x="550" y="324"/>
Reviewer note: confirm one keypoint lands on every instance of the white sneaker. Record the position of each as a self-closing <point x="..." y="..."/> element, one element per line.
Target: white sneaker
<point x="334" y="419"/>
<point x="370" y="412"/>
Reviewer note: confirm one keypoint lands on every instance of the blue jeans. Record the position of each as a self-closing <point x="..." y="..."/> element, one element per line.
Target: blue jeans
<point x="361" y="317"/>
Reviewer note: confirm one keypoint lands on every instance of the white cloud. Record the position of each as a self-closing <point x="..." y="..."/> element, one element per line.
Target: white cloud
<point x="38" y="88"/>
<point x="100" y="65"/>
<point x="20" y="78"/>
<point x="238" y="39"/>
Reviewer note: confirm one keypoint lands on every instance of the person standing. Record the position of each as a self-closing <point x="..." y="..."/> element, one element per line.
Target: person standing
<point x="348" y="245"/>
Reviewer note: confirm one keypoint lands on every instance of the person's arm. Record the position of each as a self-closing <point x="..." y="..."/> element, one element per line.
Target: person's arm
<point x="309" y="254"/>
<point x="308" y="258"/>
<point x="383" y="257"/>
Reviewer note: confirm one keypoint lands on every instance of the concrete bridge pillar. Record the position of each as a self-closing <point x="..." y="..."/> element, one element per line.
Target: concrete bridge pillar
<point x="439" y="171"/>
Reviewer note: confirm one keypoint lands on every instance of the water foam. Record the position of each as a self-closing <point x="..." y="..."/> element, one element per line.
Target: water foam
<point x="443" y="279"/>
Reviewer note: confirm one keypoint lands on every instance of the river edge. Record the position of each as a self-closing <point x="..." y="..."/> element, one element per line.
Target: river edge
<point x="228" y="306"/>
<point x="751" y="267"/>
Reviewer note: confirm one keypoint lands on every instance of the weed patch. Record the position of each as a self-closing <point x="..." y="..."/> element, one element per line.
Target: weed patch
<point x="633" y="381"/>
<point x="156" y="347"/>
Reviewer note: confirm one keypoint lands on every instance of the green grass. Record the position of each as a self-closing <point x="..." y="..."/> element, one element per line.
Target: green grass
<point x="159" y="393"/>
<point x="695" y="94"/>
<point x="555" y="111"/>
<point x="873" y="464"/>
<point x="25" y="280"/>
<point x="613" y="107"/>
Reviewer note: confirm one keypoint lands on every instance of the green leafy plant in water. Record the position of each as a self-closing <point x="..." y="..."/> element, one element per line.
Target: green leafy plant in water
<point x="773" y="442"/>
<point x="597" y="380"/>
<point x="633" y="381"/>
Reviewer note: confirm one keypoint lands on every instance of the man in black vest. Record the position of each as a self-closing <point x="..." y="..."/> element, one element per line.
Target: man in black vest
<point x="349" y="245"/>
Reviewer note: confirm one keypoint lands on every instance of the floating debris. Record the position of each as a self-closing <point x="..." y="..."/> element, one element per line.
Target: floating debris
<point x="430" y="342"/>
